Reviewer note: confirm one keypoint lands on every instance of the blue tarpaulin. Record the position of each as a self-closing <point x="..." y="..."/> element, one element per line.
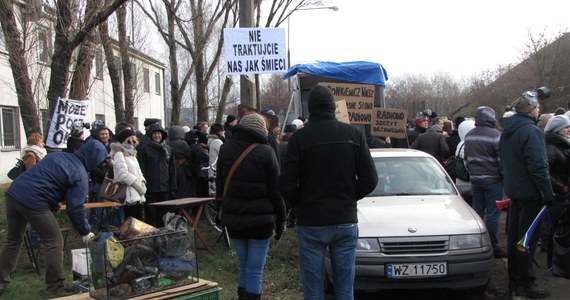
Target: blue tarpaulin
<point x="354" y="71"/>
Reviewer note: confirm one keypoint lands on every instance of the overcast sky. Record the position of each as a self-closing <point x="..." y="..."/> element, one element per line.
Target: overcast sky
<point x="416" y="36"/>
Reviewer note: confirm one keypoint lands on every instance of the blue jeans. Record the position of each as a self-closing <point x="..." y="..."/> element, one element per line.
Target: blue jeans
<point x="484" y="197"/>
<point x="251" y="255"/>
<point x="341" y="241"/>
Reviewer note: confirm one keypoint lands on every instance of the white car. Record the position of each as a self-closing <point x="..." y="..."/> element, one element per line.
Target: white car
<point x="416" y="231"/>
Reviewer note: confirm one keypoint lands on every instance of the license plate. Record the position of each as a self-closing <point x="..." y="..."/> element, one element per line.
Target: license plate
<point x="436" y="269"/>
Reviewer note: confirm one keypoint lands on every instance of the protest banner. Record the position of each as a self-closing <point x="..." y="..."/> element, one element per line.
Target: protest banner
<point x="389" y="122"/>
<point x="255" y="50"/>
<point x="359" y="100"/>
<point x="67" y="115"/>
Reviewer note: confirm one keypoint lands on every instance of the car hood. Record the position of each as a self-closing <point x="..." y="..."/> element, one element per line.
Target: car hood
<point x="427" y="215"/>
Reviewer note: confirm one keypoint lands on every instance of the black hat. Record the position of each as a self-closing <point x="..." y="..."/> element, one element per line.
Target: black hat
<point x="230" y="118"/>
<point x="321" y="98"/>
<point x="149" y="121"/>
<point x="216" y="128"/>
<point x="123" y="135"/>
<point x="290" y="128"/>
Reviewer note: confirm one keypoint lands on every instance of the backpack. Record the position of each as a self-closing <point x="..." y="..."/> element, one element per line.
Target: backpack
<point x="18" y="169"/>
<point x="455" y="167"/>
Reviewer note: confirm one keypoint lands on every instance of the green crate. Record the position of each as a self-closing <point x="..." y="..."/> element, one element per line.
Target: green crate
<point x="209" y="294"/>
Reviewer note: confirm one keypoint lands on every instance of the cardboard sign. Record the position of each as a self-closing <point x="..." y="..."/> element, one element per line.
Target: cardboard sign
<point x="359" y="100"/>
<point x="67" y="113"/>
<point x="341" y="113"/>
<point x="389" y="122"/>
<point x="255" y="50"/>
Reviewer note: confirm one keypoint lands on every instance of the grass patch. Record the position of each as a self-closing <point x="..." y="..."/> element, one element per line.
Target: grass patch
<point x="281" y="279"/>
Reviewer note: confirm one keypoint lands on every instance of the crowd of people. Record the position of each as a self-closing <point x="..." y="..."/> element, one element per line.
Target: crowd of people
<point x="269" y="178"/>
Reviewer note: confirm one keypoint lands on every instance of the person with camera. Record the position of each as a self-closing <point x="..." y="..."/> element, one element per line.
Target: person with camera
<point x="526" y="182"/>
<point x="33" y="198"/>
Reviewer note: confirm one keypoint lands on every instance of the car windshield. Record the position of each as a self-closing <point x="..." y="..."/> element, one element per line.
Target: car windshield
<point x="400" y="176"/>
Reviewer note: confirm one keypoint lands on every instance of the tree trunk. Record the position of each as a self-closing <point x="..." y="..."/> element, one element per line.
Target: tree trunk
<point x="128" y="76"/>
<point x="19" y="68"/>
<point x="81" y="80"/>
<point x="113" y="72"/>
<point x="224" y="98"/>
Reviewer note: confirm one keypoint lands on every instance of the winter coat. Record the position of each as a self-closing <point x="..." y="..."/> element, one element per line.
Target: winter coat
<point x="432" y="142"/>
<point x="558" y="153"/>
<point x="453" y="140"/>
<point x="157" y="163"/>
<point x="252" y="203"/>
<point x="186" y="187"/>
<point x="464" y="128"/>
<point x="414" y="134"/>
<point x="482" y="155"/>
<point x="523" y="160"/>
<point x="60" y="176"/>
<point x="328" y="168"/>
<point x="126" y="169"/>
<point x="214" y="144"/>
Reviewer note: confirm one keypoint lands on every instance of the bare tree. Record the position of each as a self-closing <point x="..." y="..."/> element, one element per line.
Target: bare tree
<point x="66" y="41"/>
<point x="275" y="94"/>
<point x="127" y="65"/>
<point x="81" y="76"/>
<point x="19" y="67"/>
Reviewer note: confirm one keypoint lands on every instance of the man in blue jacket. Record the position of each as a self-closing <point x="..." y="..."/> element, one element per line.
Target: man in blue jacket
<point x="34" y="197"/>
<point x="328" y="167"/>
<point x="526" y="182"/>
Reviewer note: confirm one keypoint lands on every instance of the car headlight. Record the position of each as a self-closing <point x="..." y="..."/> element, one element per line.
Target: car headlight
<point x="468" y="241"/>
<point x="368" y="245"/>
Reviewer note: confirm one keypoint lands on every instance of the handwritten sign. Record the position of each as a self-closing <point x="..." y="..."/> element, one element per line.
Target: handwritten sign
<point x="389" y="122"/>
<point x="255" y="50"/>
<point x="359" y="100"/>
<point x="341" y="112"/>
<point x="67" y="114"/>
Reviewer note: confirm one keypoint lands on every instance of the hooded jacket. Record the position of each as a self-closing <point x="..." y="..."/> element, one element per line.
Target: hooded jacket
<point x="558" y="153"/>
<point x="183" y="163"/>
<point x="523" y="160"/>
<point x="252" y="203"/>
<point x="157" y="163"/>
<point x="60" y="176"/>
<point x="126" y="169"/>
<point x="328" y="166"/>
<point x="482" y="155"/>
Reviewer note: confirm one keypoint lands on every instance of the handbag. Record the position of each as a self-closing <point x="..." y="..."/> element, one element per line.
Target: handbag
<point x="18" y="169"/>
<point x="455" y="167"/>
<point x="230" y="174"/>
<point x="112" y="190"/>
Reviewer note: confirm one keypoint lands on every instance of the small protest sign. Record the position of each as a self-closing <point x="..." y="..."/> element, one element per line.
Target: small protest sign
<point x="67" y="114"/>
<point x="389" y="122"/>
<point x="359" y="100"/>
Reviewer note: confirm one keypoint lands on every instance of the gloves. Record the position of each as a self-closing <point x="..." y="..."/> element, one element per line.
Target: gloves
<point x="279" y="230"/>
<point x="86" y="238"/>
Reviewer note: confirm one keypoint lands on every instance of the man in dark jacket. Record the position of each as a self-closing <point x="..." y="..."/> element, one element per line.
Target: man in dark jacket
<point x="526" y="182"/>
<point x="481" y="157"/>
<point x="328" y="167"/>
<point x="33" y="198"/>
<point x="183" y="163"/>
<point x="421" y="124"/>
<point x="433" y="142"/>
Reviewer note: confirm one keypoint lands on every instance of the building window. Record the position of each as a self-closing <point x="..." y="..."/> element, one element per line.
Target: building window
<point x="146" y="79"/>
<point x="100" y="118"/>
<point x="157" y="82"/>
<point x="9" y="128"/>
<point x="134" y="75"/>
<point x="99" y="65"/>
<point x="44" y="44"/>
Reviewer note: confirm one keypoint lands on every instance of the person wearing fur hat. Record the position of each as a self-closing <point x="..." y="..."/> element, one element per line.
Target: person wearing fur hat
<point x="328" y="167"/>
<point x="557" y="135"/>
<point x="482" y="162"/>
<point x="252" y="205"/>
<point x="526" y="182"/>
<point x="126" y="169"/>
<point x="157" y="164"/>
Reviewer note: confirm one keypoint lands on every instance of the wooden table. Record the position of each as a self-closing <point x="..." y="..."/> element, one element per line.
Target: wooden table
<point x="182" y="204"/>
<point x="105" y="206"/>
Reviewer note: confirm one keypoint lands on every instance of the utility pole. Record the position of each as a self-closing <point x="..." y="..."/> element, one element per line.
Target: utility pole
<point x="247" y="82"/>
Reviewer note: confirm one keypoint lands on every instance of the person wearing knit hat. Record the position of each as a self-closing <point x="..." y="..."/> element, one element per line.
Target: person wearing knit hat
<point x="123" y="135"/>
<point x="253" y="208"/>
<point x="557" y="134"/>
<point x="327" y="168"/>
<point x="255" y="122"/>
<point x="526" y="182"/>
<point x="557" y="123"/>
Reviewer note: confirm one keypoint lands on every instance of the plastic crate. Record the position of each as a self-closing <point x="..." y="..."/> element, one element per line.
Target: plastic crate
<point x="209" y="294"/>
<point x="80" y="259"/>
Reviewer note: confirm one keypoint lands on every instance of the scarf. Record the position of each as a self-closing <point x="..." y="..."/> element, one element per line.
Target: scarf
<point x="39" y="151"/>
